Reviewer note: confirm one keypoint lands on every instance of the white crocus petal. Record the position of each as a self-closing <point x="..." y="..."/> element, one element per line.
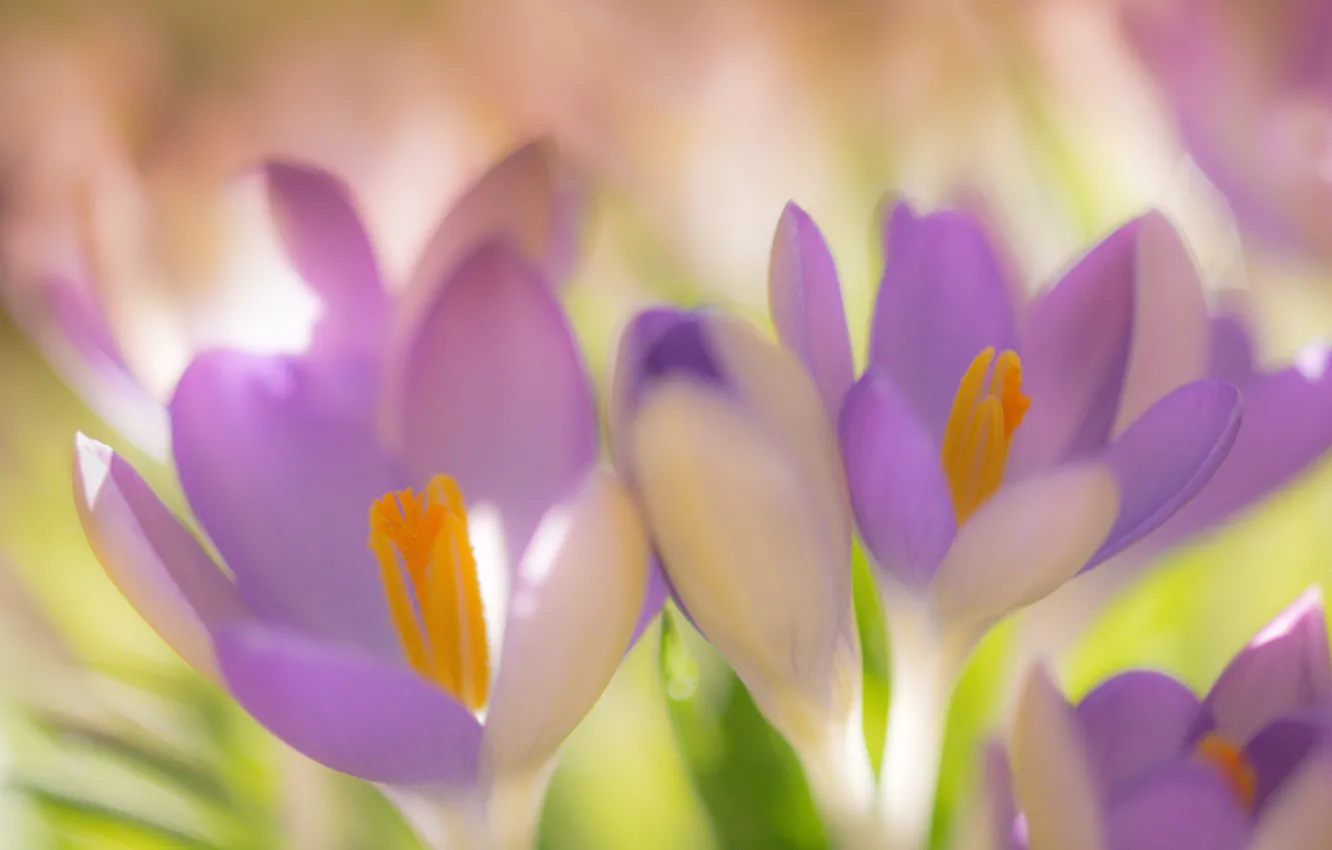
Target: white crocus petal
<point x="1027" y="541"/>
<point x="1171" y="331"/>
<point x="1051" y="774"/>
<point x="152" y="559"/>
<point x="747" y="549"/>
<point x="579" y="589"/>
<point x="1299" y="817"/>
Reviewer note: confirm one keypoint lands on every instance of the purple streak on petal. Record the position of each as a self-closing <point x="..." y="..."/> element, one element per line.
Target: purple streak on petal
<point x="898" y="491"/>
<point x="79" y="314"/>
<point x="1003" y="811"/>
<point x="329" y="247"/>
<point x="283" y="489"/>
<point x="1285" y="668"/>
<point x="805" y="300"/>
<point x="942" y="300"/>
<point x="1231" y="354"/>
<point x="654" y="598"/>
<point x="1134" y="722"/>
<point x="1182" y="807"/>
<point x="1167" y="455"/>
<point x="1280" y="748"/>
<point x="1287" y="427"/>
<point x="1075" y="351"/>
<point x="151" y="558"/>
<point x="495" y="392"/>
<point x="348" y="710"/>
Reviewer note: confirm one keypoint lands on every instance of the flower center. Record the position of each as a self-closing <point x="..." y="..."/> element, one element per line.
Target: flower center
<point x="1229" y="759"/>
<point x="987" y="409"/>
<point x="429" y="574"/>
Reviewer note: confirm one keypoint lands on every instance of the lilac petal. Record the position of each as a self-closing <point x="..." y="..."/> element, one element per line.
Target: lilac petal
<point x="494" y="392"/>
<point x="1299" y="817"/>
<point x="1287" y="427"/>
<point x="942" y="301"/>
<point x="656" y="593"/>
<point x="154" y="562"/>
<point x="1285" y="668"/>
<point x="805" y="300"/>
<point x="1136" y="721"/>
<point x="1184" y="807"/>
<point x="999" y="794"/>
<point x="898" y="492"/>
<point x="283" y="489"/>
<point x="1277" y="751"/>
<point x="348" y="710"/>
<point x="1075" y="350"/>
<point x="1167" y="456"/>
<point x="331" y="250"/>
<point x="1231" y="350"/>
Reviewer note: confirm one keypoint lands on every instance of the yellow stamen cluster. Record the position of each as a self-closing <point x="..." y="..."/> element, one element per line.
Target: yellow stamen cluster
<point x="987" y="409"/>
<point x="1229" y="760"/>
<point x="429" y="574"/>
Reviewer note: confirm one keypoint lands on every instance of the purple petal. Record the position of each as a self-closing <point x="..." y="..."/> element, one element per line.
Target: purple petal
<point x="805" y="300"/>
<point x="654" y="599"/>
<point x="329" y="247"/>
<point x="1075" y="350"/>
<point x="1285" y="668"/>
<point x="1167" y="456"/>
<point x="1134" y="722"/>
<point x="1280" y="748"/>
<point x="942" y="300"/>
<point x="1004" y="829"/>
<point x="1185" y="807"/>
<point x="1287" y="427"/>
<point x="494" y="392"/>
<point x="154" y="562"/>
<point x="898" y="492"/>
<point x="350" y="711"/>
<point x="1231" y="350"/>
<point x="283" y="489"/>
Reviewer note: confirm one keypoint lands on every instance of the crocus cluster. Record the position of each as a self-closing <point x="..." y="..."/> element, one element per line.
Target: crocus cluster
<point x="1140" y="763"/>
<point x="418" y="571"/>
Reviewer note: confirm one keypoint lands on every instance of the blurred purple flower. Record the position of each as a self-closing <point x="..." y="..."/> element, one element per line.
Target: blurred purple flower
<point x="1141" y="763"/>
<point x="460" y="419"/>
<point x="1250" y="87"/>
<point x="978" y="443"/>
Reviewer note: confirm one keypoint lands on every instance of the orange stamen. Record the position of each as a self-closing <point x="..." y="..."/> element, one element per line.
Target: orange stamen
<point x="429" y="575"/>
<point x="1229" y="759"/>
<point x="980" y="429"/>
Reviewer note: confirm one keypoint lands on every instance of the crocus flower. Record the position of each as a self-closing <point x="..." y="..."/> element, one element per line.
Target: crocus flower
<point x="1249" y="87"/>
<point x="1141" y="763"/>
<point x="993" y="449"/>
<point x="428" y="582"/>
<point x="721" y="434"/>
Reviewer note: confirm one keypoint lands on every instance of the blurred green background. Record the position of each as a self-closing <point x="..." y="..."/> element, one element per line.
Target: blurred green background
<point x="121" y="125"/>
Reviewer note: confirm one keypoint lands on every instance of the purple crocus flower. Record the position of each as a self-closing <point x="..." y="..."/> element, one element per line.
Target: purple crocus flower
<point x="1250" y="88"/>
<point x="428" y="581"/>
<point x="1141" y="763"/>
<point x="994" y="449"/>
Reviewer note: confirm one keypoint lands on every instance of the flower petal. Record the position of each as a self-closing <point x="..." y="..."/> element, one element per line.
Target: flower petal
<point x="1075" y="351"/>
<point x="158" y="566"/>
<point x="1231" y="351"/>
<point x="805" y="301"/>
<point x="1279" y="750"/>
<point x="579" y="592"/>
<point x="942" y="300"/>
<point x="1134" y="722"/>
<point x="1053" y="779"/>
<point x="283" y="489"/>
<point x="1186" y="807"/>
<point x="350" y="711"/>
<point x="1285" y="668"/>
<point x="328" y="245"/>
<point x="898" y="493"/>
<point x="1002" y="803"/>
<point x="494" y="392"/>
<point x="1299" y="817"/>
<point x="1170" y="320"/>
<point x="1287" y="427"/>
<point x="1022" y="544"/>
<point x="746" y="549"/>
<point x="1167" y="456"/>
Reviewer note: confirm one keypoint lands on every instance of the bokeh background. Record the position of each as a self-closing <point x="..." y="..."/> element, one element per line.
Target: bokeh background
<point x="127" y="125"/>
